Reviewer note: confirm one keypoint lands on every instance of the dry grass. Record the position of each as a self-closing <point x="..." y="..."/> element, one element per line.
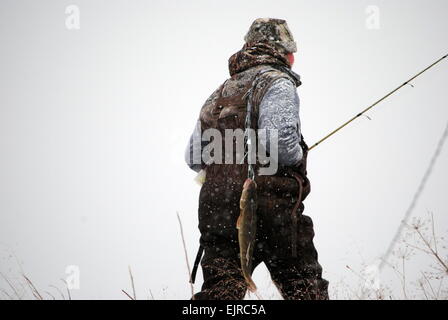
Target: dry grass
<point x="419" y="244"/>
<point x="420" y="249"/>
<point x="25" y="289"/>
<point x="186" y="253"/>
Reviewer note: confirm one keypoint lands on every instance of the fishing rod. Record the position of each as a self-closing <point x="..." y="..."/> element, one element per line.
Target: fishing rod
<point x="375" y="103"/>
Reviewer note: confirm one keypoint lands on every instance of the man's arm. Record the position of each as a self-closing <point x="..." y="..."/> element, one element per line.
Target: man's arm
<point x="193" y="151"/>
<point x="279" y="109"/>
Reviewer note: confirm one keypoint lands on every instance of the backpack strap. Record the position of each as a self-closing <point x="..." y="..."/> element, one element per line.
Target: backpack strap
<point x="196" y="264"/>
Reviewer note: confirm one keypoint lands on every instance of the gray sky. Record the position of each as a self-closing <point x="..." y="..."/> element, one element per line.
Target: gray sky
<point x="94" y="122"/>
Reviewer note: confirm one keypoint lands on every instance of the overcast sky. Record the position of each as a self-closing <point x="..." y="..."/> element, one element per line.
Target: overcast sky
<point x="94" y="122"/>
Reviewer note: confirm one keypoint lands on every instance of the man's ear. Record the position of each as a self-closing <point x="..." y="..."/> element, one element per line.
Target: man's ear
<point x="290" y="57"/>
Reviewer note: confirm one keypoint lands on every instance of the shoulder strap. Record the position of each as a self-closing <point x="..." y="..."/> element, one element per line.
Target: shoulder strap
<point x="261" y="83"/>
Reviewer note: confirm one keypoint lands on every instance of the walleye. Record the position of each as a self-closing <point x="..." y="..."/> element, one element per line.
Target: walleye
<point x="247" y="228"/>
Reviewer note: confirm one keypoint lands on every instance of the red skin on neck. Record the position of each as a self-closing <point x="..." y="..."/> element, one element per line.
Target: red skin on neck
<point x="290" y="57"/>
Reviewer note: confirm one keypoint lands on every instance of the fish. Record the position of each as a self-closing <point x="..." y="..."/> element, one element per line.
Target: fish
<point x="247" y="229"/>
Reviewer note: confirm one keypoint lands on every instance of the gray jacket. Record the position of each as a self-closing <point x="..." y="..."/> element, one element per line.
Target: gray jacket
<point x="279" y="109"/>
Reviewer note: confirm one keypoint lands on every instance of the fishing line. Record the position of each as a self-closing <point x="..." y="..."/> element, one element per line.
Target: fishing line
<point x="415" y="198"/>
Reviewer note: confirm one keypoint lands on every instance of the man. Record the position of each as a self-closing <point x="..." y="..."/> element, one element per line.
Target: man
<point x="260" y="75"/>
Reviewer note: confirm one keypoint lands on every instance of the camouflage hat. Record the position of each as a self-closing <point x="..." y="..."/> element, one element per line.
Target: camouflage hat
<point x="271" y="30"/>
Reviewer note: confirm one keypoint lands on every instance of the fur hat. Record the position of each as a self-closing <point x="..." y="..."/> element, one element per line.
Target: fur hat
<point x="274" y="31"/>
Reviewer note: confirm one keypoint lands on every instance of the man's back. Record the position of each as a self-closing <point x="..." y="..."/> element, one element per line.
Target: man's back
<point x="275" y="108"/>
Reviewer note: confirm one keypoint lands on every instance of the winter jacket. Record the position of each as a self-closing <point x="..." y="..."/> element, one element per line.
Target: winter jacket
<point x="278" y="110"/>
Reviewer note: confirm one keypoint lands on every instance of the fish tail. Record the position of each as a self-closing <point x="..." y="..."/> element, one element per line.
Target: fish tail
<point x="250" y="283"/>
<point x="248" y="277"/>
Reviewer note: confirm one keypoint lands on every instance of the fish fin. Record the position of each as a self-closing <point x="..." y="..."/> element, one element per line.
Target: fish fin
<point x="248" y="257"/>
<point x="250" y="283"/>
<point x="238" y="222"/>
